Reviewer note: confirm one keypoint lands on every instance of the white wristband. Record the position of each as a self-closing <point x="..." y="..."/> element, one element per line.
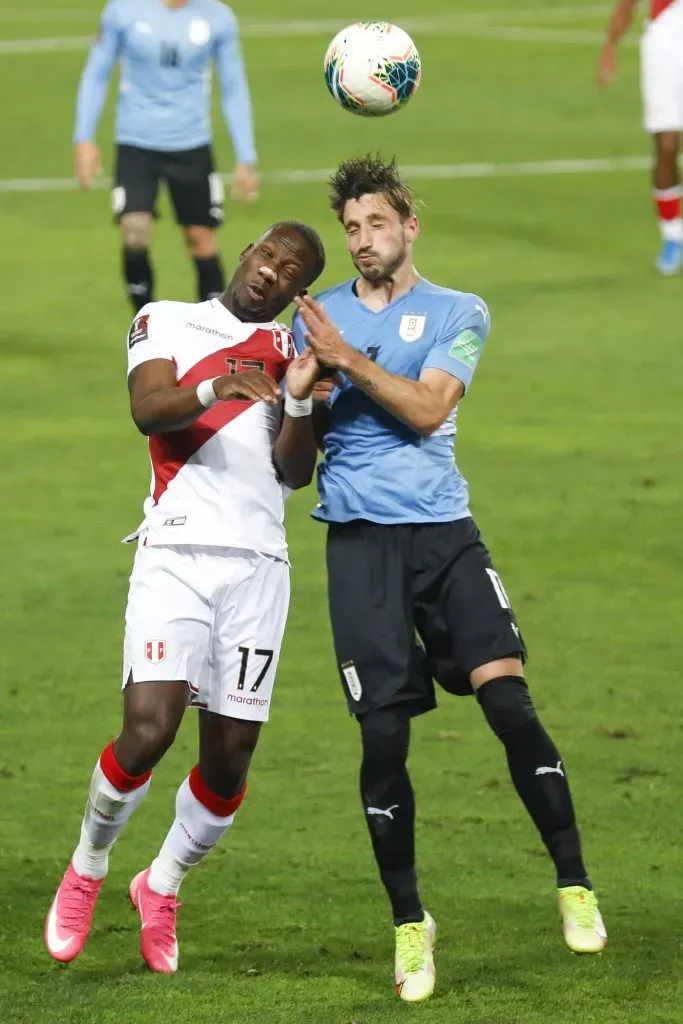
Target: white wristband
<point x="296" y="407"/>
<point x="206" y="394"/>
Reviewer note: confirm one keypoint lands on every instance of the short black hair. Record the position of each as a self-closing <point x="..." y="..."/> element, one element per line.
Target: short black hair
<point x="309" y="235"/>
<point x="367" y="175"/>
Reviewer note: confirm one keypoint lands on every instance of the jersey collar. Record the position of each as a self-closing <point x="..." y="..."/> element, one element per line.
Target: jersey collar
<point x="224" y="311"/>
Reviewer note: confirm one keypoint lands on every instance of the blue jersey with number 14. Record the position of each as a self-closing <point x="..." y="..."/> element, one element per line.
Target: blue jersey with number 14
<point x="166" y="55"/>
<point x="375" y="466"/>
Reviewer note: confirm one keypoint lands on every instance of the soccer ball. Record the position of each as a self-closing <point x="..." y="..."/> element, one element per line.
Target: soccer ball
<point x="372" y="68"/>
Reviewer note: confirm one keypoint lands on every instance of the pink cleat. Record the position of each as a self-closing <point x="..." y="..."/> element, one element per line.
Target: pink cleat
<point x="68" y="923"/>
<point x="158" y="943"/>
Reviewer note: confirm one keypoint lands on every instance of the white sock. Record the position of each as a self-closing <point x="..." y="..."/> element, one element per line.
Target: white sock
<point x="192" y="835"/>
<point x="672" y="230"/>
<point x="107" y="811"/>
<point x="668" y="202"/>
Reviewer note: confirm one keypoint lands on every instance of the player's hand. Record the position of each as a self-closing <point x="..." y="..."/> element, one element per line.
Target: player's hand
<point x="246" y="182"/>
<point x="322" y="336"/>
<point x="249" y="386"/>
<point x="88" y="163"/>
<point x="608" y="67"/>
<point x="323" y="389"/>
<point x="302" y="375"/>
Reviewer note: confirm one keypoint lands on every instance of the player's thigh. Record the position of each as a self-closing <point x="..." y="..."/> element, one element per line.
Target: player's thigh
<point x="197" y="191"/>
<point x="661" y="76"/>
<point x="136" y="182"/>
<point x="463" y="611"/>
<point x="249" y="618"/>
<point x="379" y="662"/>
<point x="168" y="619"/>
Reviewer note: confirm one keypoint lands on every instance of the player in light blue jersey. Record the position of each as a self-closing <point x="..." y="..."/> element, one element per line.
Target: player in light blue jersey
<point x="166" y="49"/>
<point x="414" y="596"/>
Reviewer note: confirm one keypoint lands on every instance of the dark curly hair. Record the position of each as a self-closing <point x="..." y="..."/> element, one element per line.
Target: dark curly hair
<point x="366" y="175"/>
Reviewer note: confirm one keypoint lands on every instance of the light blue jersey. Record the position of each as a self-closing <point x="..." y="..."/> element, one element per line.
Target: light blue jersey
<point x="165" y="90"/>
<point x="375" y="467"/>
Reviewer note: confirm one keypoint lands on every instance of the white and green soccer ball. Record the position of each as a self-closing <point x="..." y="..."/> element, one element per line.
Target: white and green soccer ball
<point x="372" y="68"/>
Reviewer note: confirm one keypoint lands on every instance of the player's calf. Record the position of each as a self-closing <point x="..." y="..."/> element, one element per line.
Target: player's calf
<point x="537" y="771"/>
<point x="138" y="273"/>
<point x="389" y="804"/>
<point x="539" y="776"/>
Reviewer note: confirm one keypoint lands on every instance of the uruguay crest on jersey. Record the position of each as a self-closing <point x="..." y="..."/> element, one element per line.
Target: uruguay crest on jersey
<point x="412" y="327"/>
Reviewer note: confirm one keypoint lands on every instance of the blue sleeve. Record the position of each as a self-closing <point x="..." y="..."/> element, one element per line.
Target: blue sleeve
<point x="458" y="347"/>
<point x="235" y="99"/>
<point x="92" y="91"/>
<point x="298" y="331"/>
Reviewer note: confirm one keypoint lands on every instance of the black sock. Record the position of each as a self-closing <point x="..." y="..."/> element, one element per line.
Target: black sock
<point x="210" y="278"/>
<point x="389" y="805"/>
<point x="538" y="774"/>
<point x="139" y="277"/>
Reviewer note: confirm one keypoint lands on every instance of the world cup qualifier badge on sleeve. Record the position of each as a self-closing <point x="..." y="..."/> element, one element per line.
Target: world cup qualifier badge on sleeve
<point x="466" y="348"/>
<point x="139" y="330"/>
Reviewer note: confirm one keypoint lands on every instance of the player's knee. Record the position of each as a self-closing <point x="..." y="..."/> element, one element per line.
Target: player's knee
<point x="152" y="733"/>
<point x="201" y="243"/>
<point x="226" y="755"/>
<point x="506" y="703"/>
<point x="385" y="734"/>
<point x="136" y="231"/>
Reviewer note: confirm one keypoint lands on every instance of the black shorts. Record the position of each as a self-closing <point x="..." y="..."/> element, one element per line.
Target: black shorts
<point x="410" y="604"/>
<point x="196" y="190"/>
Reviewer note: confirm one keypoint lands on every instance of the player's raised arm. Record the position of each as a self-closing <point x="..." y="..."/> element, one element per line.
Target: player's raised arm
<point x="159" y="405"/>
<point x="422" y="404"/>
<point x="296" y="448"/>
<point x="236" y="104"/>
<point x="92" y="92"/>
<point x="619" y="24"/>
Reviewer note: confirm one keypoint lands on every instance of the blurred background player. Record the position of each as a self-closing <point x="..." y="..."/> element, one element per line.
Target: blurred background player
<point x="662" y="87"/>
<point x="404" y="554"/>
<point x="163" y="127"/>
<point x="209" y="591"/>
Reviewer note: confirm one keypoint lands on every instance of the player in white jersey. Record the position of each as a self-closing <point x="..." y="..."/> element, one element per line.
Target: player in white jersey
<point x="662" y="88"/>
<point x="209" y="590"/>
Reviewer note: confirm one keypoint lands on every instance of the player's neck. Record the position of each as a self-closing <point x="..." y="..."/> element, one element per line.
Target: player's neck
<point x="378" y="294"/>
<point x="232" y="306"/>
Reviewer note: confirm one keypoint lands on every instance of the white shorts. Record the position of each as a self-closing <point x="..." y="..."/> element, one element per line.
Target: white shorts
<point x="661" y="75"/>
<point x="213" y="617"/>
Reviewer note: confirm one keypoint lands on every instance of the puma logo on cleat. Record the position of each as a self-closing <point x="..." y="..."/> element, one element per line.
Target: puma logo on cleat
<point x="550" y="771"/>
<point x="387" y="814"/>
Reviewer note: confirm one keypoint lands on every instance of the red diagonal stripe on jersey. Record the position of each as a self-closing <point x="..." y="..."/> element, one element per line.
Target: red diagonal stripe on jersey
<point x="170" y="452"/>
<point x="658" y="7"/>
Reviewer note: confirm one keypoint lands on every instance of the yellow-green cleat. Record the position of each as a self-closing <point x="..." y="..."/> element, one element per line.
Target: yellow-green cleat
<point x="584" y="929"/>
<point x="415" y="974"/>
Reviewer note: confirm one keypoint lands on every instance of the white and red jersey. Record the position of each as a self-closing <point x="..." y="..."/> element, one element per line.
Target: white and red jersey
<point x="214" y="483"/>
<point x="658" y="8"/>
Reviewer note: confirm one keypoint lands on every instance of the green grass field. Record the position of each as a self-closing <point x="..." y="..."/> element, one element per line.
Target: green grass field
<point x="571" y="439"/>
